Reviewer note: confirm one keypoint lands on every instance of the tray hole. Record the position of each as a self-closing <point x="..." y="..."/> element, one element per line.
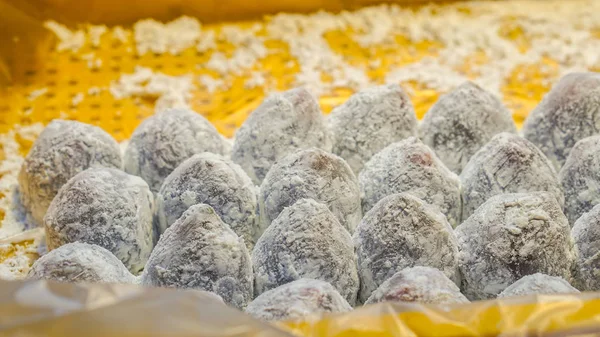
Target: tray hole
<point x="50" y="94"/>
<point x="117" y="105"/>
<point x="51" y="108"/>
<point x="95" y="105"/>
<point x="95" y="118"/>
<point x="51" y="84"/>
<point x="116" y="69"/>
<point x="30" y="73"/>
<point x="180" y="65"/>
<point x="158" y="66"/>
<point x="52" y="71"/>
<point x="73" y="82"/>
<point x="116" y="57"/>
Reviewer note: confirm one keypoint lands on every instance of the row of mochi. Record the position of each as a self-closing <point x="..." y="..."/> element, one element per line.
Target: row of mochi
<point x="457" y="129"/>
<point x="406" y="166"/>
<point x="402" y="250"/>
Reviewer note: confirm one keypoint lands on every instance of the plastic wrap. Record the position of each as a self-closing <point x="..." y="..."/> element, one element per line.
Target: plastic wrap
<point x="40" y="308"/>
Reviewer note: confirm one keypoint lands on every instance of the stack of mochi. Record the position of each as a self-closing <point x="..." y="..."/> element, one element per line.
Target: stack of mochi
<point x="306" y="214"/>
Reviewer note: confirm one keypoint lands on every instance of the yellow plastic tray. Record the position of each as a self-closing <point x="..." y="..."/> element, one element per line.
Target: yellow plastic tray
<point x="66" y="74"/>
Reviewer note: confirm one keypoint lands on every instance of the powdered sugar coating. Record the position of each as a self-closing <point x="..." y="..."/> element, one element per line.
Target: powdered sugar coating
<point x="369" y="121"/>
<point x="461" y="122"/>
<point x="511" y="236"/>
<point x="580" y="178"/>
<point x="62" y="150"/>
<point x="106" y="207"/>
<point x="538" y="284"/>
<point x="418" y="284"/>
<point x="298" y="300"/>
<point x="313" y="174"/>
<point x="507" y="164"/>
<point x="567" y="114"/>
<point x="306" y="241"/>
<point x="402" y="231"/>
<point x="210" y="179"/>
<point x="586" y="233"/>
<point x="165" y="140"/>
<point x="80" y="262"/>
<point x="410" y="166"/>
<point x="200" y="251"/>
<point x="281" y="124"/>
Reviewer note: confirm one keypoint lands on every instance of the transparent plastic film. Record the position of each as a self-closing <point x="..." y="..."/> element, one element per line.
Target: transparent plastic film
<point x="548" y="315"/>
<point x="41" y="308"/>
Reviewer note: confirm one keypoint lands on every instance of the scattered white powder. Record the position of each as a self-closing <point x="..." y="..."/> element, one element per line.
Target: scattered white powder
<point x="305" y="36"/>
<point x="95" y="64"/>
<point x="17" y="265"/>
<point x="92" y="61"/>
<point x="206" y="42"/>
<point x="120" y="34"/>
<point x="556" y="29"/>
<point x="93" y="91"/>
<point x="95" y="33"/>
<point x="250" y="48"/>
<point x="13" y="222"/>
<point x="170" y="91"/>
<point x="143" y="82"/>
<point x="78" y="98"/>
<point x="171" y="99"/>
<point x="559" y="30"/>
<point x="429" y="72"/>
<point x="172" y="37"/>
<point x="68" y="40"/>
<point x="256" y="80"/>
<point x="37" y="93"/>
<point x="211" y="84"/>
<point x="218" y="63"/>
